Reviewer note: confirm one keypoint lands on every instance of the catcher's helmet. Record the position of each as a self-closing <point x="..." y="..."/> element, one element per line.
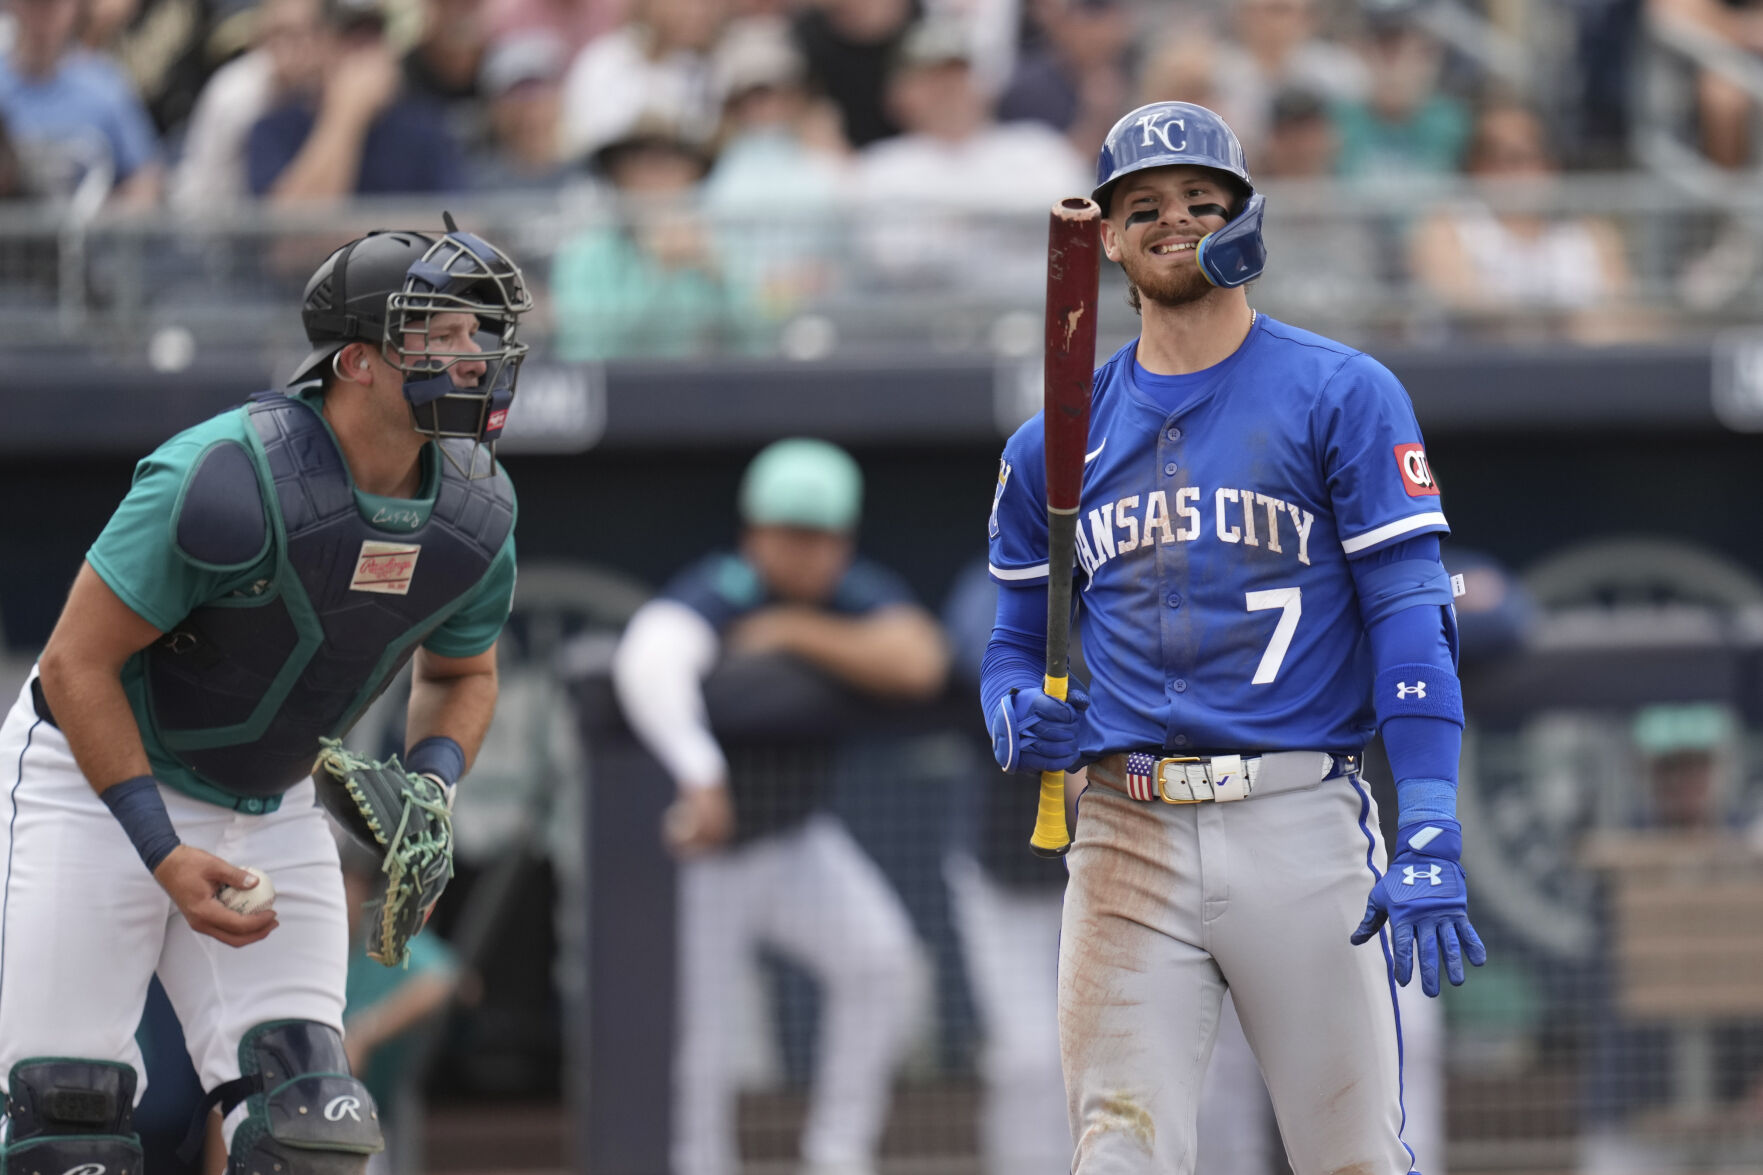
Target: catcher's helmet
<point x="1169" y="134"/>
<point x="382" y="288"/>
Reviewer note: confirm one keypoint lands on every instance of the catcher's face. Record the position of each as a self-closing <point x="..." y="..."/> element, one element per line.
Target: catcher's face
<point x="445" y="342"/>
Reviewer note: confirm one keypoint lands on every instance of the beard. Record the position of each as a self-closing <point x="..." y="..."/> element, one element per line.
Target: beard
<point x="1152" y="281"/>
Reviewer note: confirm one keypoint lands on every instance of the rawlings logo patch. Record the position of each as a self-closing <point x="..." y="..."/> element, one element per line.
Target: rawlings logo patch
<point x="385" y="567"/>
<point x="1417" y="476"/>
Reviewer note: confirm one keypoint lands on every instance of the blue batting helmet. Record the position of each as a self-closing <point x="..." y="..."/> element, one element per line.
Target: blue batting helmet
<point x="1169" y="134"/>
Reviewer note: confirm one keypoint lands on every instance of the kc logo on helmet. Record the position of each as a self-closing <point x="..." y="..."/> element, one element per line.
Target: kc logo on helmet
<point x="1149" y="122"/>
<point x="1417" y="476"/>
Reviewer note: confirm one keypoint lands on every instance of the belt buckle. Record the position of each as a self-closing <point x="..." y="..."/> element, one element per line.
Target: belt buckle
<point x="1187" y="781"/>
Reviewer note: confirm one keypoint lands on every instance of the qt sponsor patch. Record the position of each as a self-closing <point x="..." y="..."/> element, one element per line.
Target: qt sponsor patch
<point x="1417" y="476"/>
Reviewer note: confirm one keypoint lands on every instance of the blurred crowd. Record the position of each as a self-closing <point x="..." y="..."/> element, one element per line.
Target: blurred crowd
<point x="766" y="116"/>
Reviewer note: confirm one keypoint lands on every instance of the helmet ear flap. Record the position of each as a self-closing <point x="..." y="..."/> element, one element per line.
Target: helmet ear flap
<point x="1235" y="255"/>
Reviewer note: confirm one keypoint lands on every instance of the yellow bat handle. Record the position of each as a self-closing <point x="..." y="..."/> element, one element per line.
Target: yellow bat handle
<point x="1051" y="838"/>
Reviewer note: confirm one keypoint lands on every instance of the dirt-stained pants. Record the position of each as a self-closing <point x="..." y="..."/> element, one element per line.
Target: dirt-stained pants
<point x="1170" y="904"/>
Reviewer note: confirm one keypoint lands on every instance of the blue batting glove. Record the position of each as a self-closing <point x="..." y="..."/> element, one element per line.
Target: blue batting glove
<point x="1425" y="898"/>
<point x="1034" y="731"/>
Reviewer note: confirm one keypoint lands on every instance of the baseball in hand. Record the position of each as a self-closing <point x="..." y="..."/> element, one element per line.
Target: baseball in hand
<point x="248" y="901"/>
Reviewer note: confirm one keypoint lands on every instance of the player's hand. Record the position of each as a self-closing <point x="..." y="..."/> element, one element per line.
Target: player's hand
<point x="699" y="822"/>
<point x="1425" y="899"/>
<point x="1033" y="731"/>
<point x="193" y="877"/>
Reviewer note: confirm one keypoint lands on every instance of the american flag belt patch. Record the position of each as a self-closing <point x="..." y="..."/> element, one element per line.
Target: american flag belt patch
<point x="1141" y="776"/>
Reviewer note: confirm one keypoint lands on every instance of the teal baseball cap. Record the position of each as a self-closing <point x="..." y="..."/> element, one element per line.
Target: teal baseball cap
<point x="802" y="482"/>
<point x="1666" y="729"/>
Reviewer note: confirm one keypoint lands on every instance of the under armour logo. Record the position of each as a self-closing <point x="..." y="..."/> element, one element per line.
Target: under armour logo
<point x="86" y="1169"/>
<point x="1403" y="689"/>
<point x="1149" y="123"/>
<point x="347" y="1104"/>
<point x="1411" y="874"/>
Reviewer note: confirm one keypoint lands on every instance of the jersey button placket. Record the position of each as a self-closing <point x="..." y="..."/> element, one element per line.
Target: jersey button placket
<point x="1169" y="567"/>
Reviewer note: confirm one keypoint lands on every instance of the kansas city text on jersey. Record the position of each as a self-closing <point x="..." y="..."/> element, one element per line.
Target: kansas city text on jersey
<point x="1139" y="521"/>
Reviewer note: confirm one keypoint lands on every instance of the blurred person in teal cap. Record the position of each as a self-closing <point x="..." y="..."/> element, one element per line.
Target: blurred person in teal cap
<point x="1685" y="747"/>
<point x="761" y="862"/>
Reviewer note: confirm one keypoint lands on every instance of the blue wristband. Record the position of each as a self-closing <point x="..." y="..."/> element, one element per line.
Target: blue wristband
<point x="437" y="755"/>
<point x="1425" y="799"/>
<point x="137" y="806"/>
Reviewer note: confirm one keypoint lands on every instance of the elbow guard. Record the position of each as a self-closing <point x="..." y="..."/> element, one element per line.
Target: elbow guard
<point x="1418" y="690"/>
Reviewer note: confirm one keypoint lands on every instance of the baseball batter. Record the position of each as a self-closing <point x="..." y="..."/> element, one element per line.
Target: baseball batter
<point x="1259" y="590"/>
<point x="268" y="573"/>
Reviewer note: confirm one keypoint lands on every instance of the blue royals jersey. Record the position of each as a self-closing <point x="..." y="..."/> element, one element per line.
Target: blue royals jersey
<point x="1215" y="601"/>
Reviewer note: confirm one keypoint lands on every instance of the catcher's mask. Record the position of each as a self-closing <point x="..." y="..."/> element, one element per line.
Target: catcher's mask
<point x="385" y="288"/>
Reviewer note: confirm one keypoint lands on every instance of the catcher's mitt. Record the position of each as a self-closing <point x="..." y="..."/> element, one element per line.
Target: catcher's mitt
<point x="406" y="818"/>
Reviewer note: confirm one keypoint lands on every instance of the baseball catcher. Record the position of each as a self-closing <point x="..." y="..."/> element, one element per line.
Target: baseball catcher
<point x="269" y="572"/>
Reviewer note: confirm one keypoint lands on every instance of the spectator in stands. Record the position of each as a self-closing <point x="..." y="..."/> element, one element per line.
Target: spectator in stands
<point x="445" y="65"/>
<point x="74" y="115"/>
<point x="850" y="46"/>
<point x="1182" y="66"/>
<point x="1518" y="271"/>
<point x="1076" y="78"/>
<point x="656" y="64"/>
<point x="1725" y="110"/>
<point x="574" y="22"/>
<point x="761" y="862"/>
<point x="1277" y="43"/>
<point x="358" y="134"/>
<point x="1404" y="127"/>
<point x="649" y="283"/>
<point x="1328" y="260"/>
<point x="522" y="82"/>
<point x="1303" y="142"/>
<point x="288" y="60"/>
<point x="162" y="45"/>
<point x="778" y="175"/>
<point x="940" y="197"/>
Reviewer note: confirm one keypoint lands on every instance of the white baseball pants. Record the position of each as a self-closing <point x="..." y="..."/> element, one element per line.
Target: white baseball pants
<point x="84" y="927"/>
<point x="1237" y="1136"/>
<point x="1169" y="904"/>
<point x="813" y="895"/>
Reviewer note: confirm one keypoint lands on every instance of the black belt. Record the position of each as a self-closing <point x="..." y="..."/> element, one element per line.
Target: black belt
<point x="41" y="703"/>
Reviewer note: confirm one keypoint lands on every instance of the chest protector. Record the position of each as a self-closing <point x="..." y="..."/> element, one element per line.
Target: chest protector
<point x="243" y="688"/>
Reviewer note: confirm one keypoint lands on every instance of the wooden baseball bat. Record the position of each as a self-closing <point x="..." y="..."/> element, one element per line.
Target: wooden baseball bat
<point x="1074" y="269"/>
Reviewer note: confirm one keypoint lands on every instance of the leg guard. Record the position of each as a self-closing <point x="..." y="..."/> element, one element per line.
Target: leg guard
<point x="304" y="1114"/>
<point x="70" y="1117"/>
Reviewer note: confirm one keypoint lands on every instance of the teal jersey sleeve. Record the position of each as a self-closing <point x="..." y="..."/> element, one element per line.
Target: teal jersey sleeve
<point x="476" y="625"/>
<point x="136" y="554"/>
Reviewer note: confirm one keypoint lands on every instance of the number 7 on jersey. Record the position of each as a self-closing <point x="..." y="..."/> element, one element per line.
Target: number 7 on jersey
<point x="1290" y="602"/>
